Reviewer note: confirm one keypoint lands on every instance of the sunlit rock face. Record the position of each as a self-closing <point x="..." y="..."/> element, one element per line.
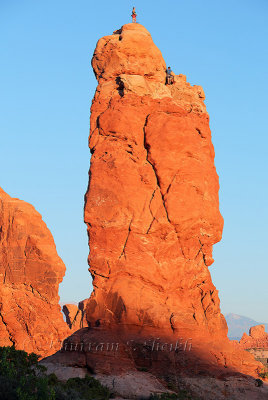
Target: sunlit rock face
<point x="30" y="273"/>
<point x="152" y="206"/>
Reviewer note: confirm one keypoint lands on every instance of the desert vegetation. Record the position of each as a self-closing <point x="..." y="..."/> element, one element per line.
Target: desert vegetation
<point x="22" y="378"/>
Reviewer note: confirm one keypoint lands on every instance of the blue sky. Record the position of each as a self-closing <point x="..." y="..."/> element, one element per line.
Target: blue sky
<point x="47" y="84"/>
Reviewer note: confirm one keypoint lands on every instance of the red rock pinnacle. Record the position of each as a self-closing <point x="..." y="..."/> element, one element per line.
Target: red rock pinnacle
<point x="152" y="207"/>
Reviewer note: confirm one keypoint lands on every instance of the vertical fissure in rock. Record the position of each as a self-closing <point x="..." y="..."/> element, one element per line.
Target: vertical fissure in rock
<point x="4" y="281"/>
<point x="147" y="148"/>
<point x="148" y="230"/>
<point x="201" y="251"/>
<point x="125" y="244"/>
<point x="172" y="180"/>
<point x="109" y="267"/>
<point x="171" y="323"/>
<point x="200" y="133"/>
<point x="8" y="331"/>
<point x="153" y="217"/>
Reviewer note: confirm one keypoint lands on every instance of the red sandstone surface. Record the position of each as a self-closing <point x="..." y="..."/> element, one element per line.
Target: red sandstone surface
<point x="30" y="273"/>
<point x="257" y="338"/>
<point x="152" y="206"/>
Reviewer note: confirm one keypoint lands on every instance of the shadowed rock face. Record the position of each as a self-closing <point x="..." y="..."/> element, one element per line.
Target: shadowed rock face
<point x="30" y="273"/>
<point x="152" y="207"/>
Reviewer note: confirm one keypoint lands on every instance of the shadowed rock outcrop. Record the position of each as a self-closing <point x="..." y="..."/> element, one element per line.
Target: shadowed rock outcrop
<point x="30" y="273"/>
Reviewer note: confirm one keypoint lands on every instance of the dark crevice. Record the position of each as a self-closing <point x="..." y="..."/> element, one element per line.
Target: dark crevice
<point x="120" y="87"/>
<point x="200" y="133"/>
<point x="172" y="180"/>
<point x="109" y="267"/>
<point x="9" y="333"/>
<point x="151" y="201"/>
<point x="150" y="225"/>
<point x="171" y="323"/>
<point x="211" y="293"/>
<point x="27" y="329"/>
<point x="34" y="291"/>
<point x="96" y="273"/>
<point x="124" y="247"/>
<point x="147" y="148"/>
<point x="151" y="211"/>
<point x="201" y="251"/>
<point x="200" y="288"/>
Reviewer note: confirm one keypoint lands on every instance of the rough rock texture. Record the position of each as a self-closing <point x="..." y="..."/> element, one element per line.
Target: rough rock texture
<point x="257" y="338"/>
<point x="152" y="207"/>
<point x="30" y="273"/>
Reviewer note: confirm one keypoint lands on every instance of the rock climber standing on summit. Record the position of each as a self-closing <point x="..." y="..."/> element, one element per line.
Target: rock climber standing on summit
<point x="133" y="15"/>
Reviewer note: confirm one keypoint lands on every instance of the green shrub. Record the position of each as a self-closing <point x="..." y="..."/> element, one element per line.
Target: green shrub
<point x="21" y="378"/>
<point x="88" y="388"/>
<point x="259" y="382"/>
<point x="182" y="395"/>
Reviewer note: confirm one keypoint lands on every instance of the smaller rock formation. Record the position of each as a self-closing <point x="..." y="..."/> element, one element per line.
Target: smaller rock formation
<point x="30" y="274"/>
<point x="75" y="315"/>
<point x="71" y="312"/>
<point x="257" y="338"/>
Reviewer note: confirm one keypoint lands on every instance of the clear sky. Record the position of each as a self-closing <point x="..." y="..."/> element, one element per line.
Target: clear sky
<point x="46" y="87"/>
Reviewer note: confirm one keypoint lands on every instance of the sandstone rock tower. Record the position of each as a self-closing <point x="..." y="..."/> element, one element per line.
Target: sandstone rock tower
<point x="152" y="207"/>
<point x="30" y="273"/>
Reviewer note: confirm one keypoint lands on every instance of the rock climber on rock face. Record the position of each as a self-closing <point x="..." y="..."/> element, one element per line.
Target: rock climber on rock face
<point x="133" y="15"/>
<point x="170" y="77"/>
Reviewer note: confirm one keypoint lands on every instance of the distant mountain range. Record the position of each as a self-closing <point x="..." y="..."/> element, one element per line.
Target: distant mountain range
<point x="238" y="324"/>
